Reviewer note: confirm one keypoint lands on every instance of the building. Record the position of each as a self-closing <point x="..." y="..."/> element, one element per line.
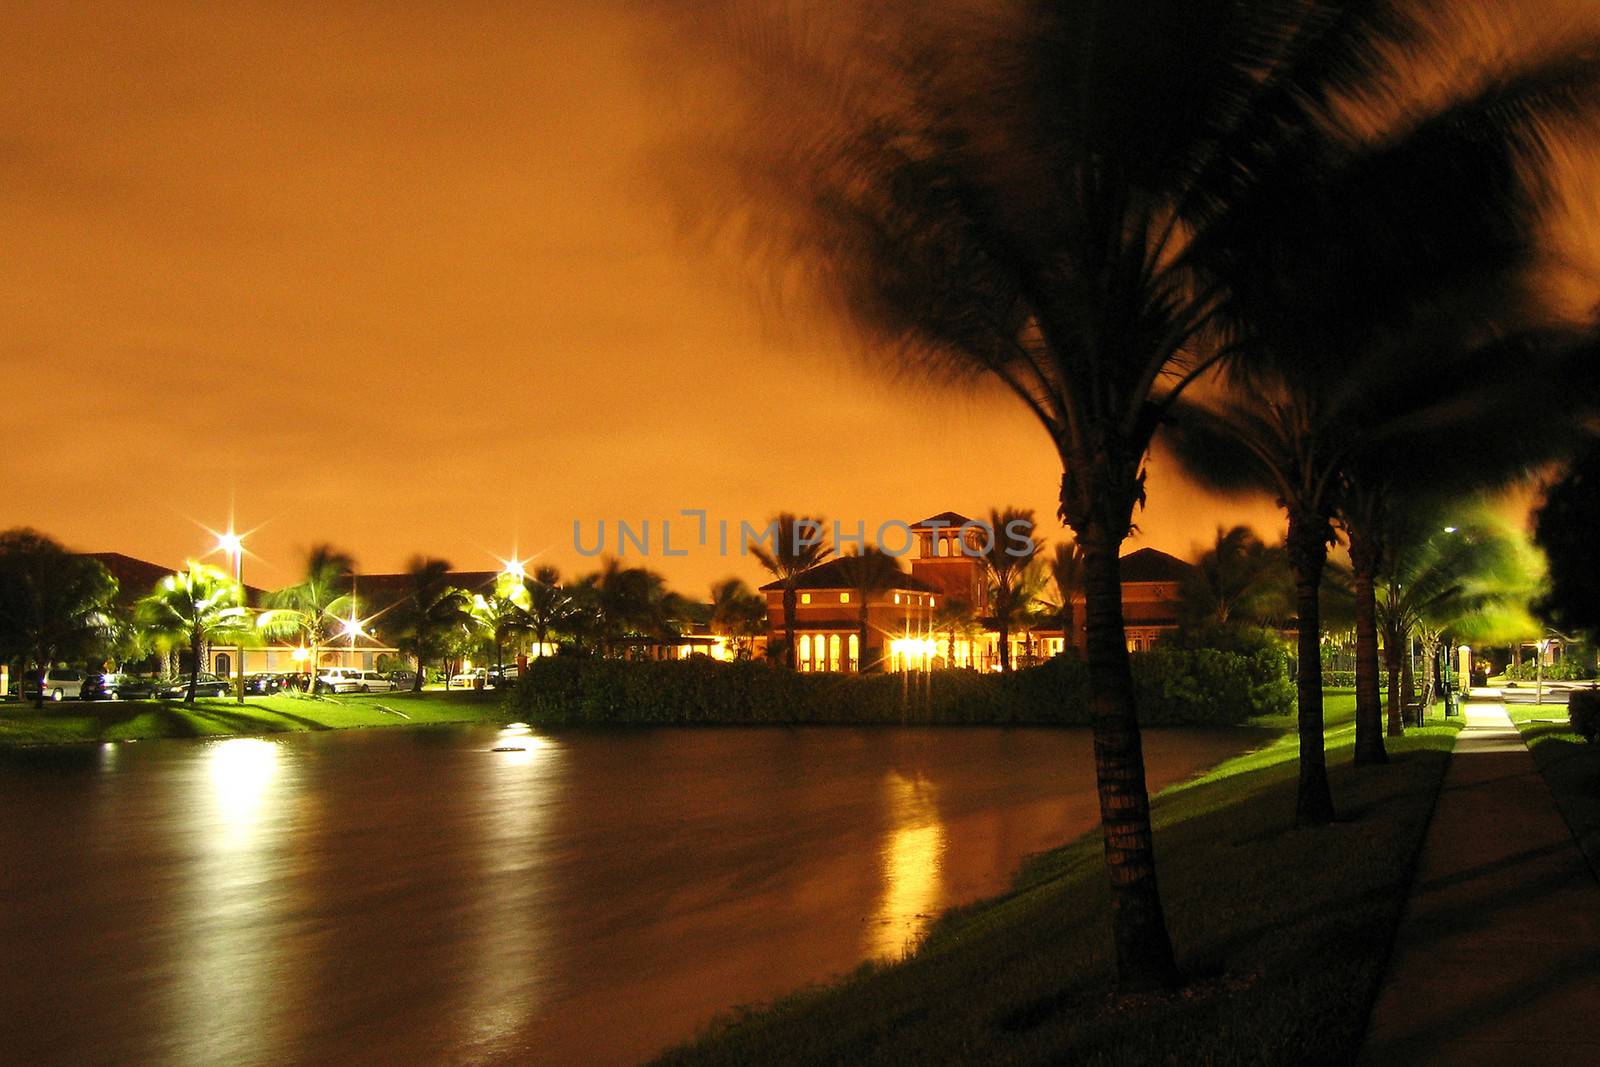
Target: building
<point x="828" y="620"/>
<point x="908" y="631"/>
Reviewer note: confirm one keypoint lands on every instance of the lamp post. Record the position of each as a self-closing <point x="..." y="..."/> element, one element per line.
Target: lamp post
<point x="233" y="545"/>
<point x="1538" y="669"/>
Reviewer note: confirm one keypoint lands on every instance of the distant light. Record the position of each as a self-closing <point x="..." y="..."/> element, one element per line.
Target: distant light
<point x="1449" y="529"/>
<point x="515" y="568"/>
<point x="230" y="542"/>
<point x="300" y="655"/>
<point x="352" y="628"/>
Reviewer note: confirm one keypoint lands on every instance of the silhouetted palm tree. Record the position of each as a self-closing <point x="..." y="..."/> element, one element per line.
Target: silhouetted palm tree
<point x="1239" y="579"/>
<point x="954" y="617"/>
<point x="193" y="608"/>
<point x="1060" y="198"/>
<point x="867" y="573"/>
<point x="1066" y="582"/>
<point x="1006" y="559"/>
<point x="53" y="603"/>
<point x="306" y="609"/>
<point x="431" y="613"/>
<point x="738" y="615"/>
<point x="798" y="544"/>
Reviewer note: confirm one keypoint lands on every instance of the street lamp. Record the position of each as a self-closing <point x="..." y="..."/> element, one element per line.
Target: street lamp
<point x="233" y="545"/>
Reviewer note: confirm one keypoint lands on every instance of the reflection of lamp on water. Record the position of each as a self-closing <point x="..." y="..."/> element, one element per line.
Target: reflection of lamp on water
<point x="913" y="866"/>
<point x="241" y="770"/>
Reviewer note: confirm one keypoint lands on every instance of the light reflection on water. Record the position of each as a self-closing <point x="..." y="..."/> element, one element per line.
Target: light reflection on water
<point x="913" y="866"/>
<point x="412" y="896"/>
<point x="228" y="977"/>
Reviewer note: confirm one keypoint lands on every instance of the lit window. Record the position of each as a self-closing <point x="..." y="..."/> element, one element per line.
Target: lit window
<point x="855" y="653"/>
<point x="805" y="652"/>
<point x="844" y="598"/>
<point x="805" y="598"/>
<point x="930" y="602"/>
<point x="897" y="598"/>
<point x="833" y="652"/>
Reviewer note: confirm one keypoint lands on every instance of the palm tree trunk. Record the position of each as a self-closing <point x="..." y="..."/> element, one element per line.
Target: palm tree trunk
<point x="791" y="654"/>
<point x="861" y="638"/>
<point x="1003" y="624"/>
<point x="1139" y="927"/>
<point x="1408" y="683"/>
<point x="1308" y="554"/>
<point x="1391" y="658"/>
<point x="194" y="667"/>
<point x="416" y="683"/>
<point x="1369" y="708"/>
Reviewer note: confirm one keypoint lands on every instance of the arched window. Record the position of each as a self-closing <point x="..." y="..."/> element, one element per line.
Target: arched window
<point x="833" y="652"/>
<point x="855" y="653"/>
<point x="224" y="665"/>
<point x="805" y="652"/>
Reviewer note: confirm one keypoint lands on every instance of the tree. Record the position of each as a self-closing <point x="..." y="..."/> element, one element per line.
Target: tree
<point x="1052" y="199"/>
<point x="738" y="615"/>
<point x="1437" y="579"/>
<point x="306" y="609"/>
<point x="53" y="604"/>
<point x="503" y="615"/>
<point x="1006" y="560"/>
<point x="549" y="606"/>
<point x="433" y="614"/>
<point x="868" y="572"/>
<point x="1566" y="531"/>
<point x="798" y="544"/>
<point x="1066" y="578"/>
<point x="954" y="617"/>
<point x="1239" y="579"/>
<point x="193" y="608"/>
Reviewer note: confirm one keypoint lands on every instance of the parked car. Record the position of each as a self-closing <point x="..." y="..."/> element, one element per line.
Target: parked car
<point x="350" y="680"/>
<point x="476" y="678"/>
<point x="59" y="683"/>
<point x="206" y="685"/>
<point x="402" y="679"/>
<point x="262" y="685"/>
<point x="503" y="678"/>
<point x="115" y="685"/>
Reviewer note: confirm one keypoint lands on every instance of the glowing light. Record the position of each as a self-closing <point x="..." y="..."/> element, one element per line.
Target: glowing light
<point x="352" y="628"/>
<point x="514" y="568"/>
<point x="231" y="543"/>
<point x="913" y="866"/>
<point x="241" y="771"/>
<point x="1449" y="529"/>
<point x="300" y="655"/>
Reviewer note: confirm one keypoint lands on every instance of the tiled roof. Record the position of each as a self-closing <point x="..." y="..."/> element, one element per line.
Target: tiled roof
<point x="835" y="575"/>
<point x="1153" y="565"/>
<point x="944" y="519"/>
<point x="138" y="577"/>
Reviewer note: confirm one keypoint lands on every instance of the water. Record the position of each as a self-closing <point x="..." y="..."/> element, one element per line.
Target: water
<point x="410" y="896"/>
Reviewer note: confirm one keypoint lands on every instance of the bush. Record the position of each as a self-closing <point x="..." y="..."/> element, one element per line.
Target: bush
<point x="1583" y="711"/>
<point x="1198" y="687"/>
<point x="1566" y="669"/>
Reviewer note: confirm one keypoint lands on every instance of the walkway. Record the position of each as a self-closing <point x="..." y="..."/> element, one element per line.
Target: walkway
<point x="1498" y="955"/>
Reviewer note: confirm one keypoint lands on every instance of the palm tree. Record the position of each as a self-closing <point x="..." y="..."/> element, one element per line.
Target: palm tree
<point x="549" y="606"/>
<point x="503" y="615"/>
<point x="1006" y="561"/>
<point x="1066" y="579"/>
<point x="306" y="609"/>
<point x="867" y="573"/>
<point x="431" y="612"/>
<point x="798" y="544"/>
<point x="193" y="608"/>
<point x="954" y="618"/>
<point x="737" y="614"/>
<point x="52" y="603"/>
<point x="1061" y="198"/>
<point x="1239" y="579"/>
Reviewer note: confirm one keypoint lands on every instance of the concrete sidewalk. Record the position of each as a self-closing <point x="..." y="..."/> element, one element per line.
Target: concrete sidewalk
<point x="1497" y="959"/>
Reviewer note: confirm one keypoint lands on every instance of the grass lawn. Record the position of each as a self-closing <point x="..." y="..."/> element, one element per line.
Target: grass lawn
<point x="23" y="724"/>
<point x="1572" y="767"/>
<point x="1283" y="933"/>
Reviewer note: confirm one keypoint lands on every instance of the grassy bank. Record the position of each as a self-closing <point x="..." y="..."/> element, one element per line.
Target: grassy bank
<point x="1572" y="767"/>
<point x="1283" y="932"/>
<point x="23" y="724"/>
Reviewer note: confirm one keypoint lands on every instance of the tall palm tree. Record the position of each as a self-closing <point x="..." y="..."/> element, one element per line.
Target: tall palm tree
<point x="549" y="606"/>
<point x="53" y="603"/>
<point x="1006" y="561"/>
<point x="798" y="544"/>
<point x="738" y="614"/>
<point x="954" y="617"/>
<point x="502" y="615"/>
<point x="1066" y="582"/>
<point x="868" y="572"/>
<point x="307" y="608"/>
<point x="1239" y="579"/>
<point x="1060" y="200"/>
<point x="430" y="614"/>
<point x="195" y="607"/>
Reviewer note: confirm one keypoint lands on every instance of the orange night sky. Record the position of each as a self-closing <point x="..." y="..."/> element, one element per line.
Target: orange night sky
<point x="408" y="284"/>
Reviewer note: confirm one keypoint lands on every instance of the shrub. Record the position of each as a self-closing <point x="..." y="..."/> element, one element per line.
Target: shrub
<point x="1583" y="712"/>
<point x="1175" y="687"/>
<point x="1566" y="669"/>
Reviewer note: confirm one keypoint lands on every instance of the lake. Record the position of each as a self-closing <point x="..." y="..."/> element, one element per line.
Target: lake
<point x="413" y="896"/>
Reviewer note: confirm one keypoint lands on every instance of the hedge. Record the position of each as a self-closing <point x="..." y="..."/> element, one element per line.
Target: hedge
<point x="1566" y="669"/>
<point x="1173" y="688"/>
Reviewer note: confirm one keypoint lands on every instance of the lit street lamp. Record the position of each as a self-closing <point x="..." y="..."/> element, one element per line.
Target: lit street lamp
<point x="233" y="545"/>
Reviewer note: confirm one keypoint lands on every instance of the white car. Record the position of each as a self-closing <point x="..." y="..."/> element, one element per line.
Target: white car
<point x="350" y="680"/>
<point x="476" y="678"/>
<point x="61" y="684"/>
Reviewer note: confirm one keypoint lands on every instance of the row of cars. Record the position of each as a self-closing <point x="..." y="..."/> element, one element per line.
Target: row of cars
<point x="71" y="684"/>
